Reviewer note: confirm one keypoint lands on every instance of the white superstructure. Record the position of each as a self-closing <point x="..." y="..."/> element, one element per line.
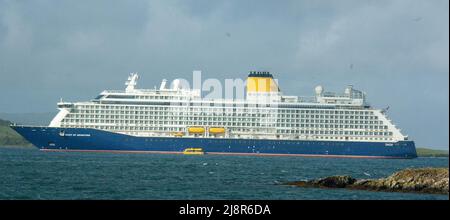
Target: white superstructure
<point x="265" y="114"/>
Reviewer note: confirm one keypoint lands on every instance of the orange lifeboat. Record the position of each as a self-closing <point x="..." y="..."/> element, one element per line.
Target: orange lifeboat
<point x="196" y="130"/>
<point x="216" y="130"/>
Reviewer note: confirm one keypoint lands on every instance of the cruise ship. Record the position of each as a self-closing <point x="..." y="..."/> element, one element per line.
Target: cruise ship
<point x="172" y="119"/>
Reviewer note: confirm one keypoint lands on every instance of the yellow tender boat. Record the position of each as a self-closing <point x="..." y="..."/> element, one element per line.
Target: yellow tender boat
<point x="193" y="151"/>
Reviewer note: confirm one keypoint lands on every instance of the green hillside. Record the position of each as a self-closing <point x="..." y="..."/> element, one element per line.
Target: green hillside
<point x="9" y="137"/>
<point x="426" y="152"/>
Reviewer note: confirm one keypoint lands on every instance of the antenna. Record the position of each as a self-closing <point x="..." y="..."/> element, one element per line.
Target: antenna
<point x="163" y="85"/>
<point x="131" y="82"/>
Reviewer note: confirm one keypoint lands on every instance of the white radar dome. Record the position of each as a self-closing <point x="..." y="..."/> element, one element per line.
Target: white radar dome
<point x="319" y="90"/>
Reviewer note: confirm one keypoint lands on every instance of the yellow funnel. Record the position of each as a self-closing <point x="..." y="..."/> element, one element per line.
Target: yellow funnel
<point x="261" y="82"/>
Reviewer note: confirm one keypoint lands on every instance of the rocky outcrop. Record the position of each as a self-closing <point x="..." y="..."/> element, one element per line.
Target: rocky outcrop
<point x="327" y="182"/>
<point x="423" y="180"/>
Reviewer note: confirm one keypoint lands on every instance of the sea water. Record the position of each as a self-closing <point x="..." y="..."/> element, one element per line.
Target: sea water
<point x="27" y="173"/>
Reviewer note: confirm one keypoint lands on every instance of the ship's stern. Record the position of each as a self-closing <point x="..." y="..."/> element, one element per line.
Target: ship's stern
<point x="411" y="149"/>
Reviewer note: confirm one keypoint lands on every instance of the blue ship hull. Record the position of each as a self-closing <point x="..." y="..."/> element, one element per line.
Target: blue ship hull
<point x="82" y="139"/>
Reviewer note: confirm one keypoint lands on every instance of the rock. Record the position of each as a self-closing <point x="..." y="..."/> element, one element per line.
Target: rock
<point x="328" y="182"/>
<point x="336" y="181"/>
<point x="423" y="180"/>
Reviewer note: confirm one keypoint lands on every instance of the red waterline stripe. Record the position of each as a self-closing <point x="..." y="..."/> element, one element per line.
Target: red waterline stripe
<point x="306" y="155"/>
<point x="112" y="151"/>
<point x="221" y="153"/>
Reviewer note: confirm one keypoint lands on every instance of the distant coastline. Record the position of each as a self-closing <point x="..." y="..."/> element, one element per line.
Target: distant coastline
<point x="10" y="138"/>
<point x="427" y="152"/>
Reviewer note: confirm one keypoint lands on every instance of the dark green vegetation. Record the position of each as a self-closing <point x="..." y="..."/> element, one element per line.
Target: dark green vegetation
<point x="9" y="137"/>
<point x="425" y="152"/>
<point x="421" y="180"/>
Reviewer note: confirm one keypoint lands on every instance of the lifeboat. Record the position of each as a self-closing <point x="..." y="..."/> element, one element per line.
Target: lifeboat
<point x="178" y="134"/>
<point x="196" y="130"/>
<point x="216" y="130"/>
<point x="193" y="151"/>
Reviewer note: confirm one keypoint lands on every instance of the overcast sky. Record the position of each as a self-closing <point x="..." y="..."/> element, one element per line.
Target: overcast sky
<point x="396" y="51"/>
